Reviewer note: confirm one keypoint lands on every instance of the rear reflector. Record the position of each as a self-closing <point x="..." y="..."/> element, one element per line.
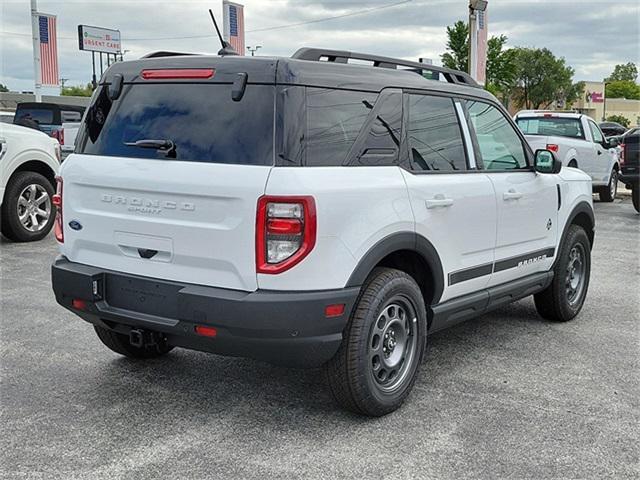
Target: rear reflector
<point x="178" y="73"/>
<point x="334" y="310"/>
<point x="206" y="331"/>
<point x="78" y="304"/>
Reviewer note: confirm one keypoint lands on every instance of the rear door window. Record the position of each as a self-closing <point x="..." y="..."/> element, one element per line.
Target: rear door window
<point x="434" y="135"/>
<point x="201" y="120"/>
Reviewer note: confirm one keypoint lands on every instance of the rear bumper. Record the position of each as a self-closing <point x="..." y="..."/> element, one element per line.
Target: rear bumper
<point x="630" y="178"/>
<point x="286" y="328"/>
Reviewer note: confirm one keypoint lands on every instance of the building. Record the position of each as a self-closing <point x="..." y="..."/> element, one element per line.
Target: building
<point x="595" y="104"/>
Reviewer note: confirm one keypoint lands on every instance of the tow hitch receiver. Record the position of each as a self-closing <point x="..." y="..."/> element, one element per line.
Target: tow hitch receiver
<point x="146" y="339"/>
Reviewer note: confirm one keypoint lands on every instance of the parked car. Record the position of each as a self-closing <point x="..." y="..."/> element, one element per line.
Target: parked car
<point x="630" y="164"/>
<point x="310" y="213"/>
<point x="578" y="142"/>
<point x="70" y="132"/>
<point x="612" y="129"/>
<point x="29" y="161"/>
<point x="48" y="117"/>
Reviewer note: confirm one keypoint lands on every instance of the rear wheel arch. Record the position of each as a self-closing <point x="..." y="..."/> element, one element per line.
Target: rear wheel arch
<point x="408" y="252"/>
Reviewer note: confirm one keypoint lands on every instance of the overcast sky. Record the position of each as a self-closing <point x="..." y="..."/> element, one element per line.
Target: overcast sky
<point x="592" y="35"/>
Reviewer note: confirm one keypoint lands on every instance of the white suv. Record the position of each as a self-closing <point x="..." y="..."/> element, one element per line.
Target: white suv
<point x="310" y="213"/>
<point x="577" y="142"/>
<point x="29" y="161"/>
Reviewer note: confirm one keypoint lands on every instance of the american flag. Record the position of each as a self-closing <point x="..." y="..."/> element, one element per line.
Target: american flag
<point x="48" y="50"/>
<point x="234" y="25"/>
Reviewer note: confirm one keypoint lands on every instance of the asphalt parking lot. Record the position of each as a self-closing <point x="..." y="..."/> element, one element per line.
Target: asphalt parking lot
<point x="504" y="396"/>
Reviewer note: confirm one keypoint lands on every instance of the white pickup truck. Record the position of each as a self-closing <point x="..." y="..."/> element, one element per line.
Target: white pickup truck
<point x="578" y="142"/>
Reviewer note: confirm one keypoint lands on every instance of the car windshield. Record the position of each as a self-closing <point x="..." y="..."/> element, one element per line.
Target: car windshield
<point x="551" y="126"/>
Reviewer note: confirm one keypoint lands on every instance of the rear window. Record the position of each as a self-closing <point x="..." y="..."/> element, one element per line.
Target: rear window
<point x="551" y="126"/>
<point x="201" y="120"/>
<point x="40" y="116"/>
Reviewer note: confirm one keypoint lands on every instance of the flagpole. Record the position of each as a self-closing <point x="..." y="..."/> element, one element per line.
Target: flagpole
<point x="35" y="32"/>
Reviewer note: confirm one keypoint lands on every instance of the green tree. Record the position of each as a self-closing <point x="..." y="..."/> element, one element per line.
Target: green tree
<point x="500" y="61"/>
<point x="457" y="55"/>
<point x="77" y="91"/>
<point x="3" y="88"/>
<point x="542" y="79"/>
<point x="623" y="89"/>
<point x="621" y="119"/>
<point x="623" y="72"/>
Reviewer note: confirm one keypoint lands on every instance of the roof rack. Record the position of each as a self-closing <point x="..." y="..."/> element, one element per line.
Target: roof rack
<point x="341" y="56"/>
<point x="166" y="54"/>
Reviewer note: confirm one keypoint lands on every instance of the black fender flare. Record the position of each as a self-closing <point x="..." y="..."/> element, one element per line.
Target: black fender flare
<point x="582" y="207"/>
<point x="401" y="241"/>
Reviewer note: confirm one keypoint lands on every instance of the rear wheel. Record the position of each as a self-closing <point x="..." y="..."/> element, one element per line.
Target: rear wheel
<point x="27" y="211"/>
<point x="119" y="343"/>
<point x="608" y="193"/>
<point x="573" y="164"/>
<point x="376" y="366"/>
<point x="635" y="197"/>
<point x="563" y="299"/>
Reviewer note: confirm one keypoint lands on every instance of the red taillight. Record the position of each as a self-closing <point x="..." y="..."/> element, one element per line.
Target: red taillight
<point x="57" y="202"/>
<point x="552" y="147"/>
<point x="178" y="73"/>
<point x="334" y="310"/>
<point x="285" y="232"/>
<point x="59" y="135"/>
<point x="206" y="331"/>
<point x="78" y="304"/>
<point x="622" y="149"/>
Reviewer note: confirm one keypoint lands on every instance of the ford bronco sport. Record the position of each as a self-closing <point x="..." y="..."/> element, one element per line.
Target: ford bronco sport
<point x="310" y="212"/>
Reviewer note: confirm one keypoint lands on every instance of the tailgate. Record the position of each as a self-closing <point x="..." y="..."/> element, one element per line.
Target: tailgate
<point x="192" y="222"/>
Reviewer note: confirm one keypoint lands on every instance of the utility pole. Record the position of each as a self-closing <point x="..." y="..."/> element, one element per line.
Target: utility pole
<point x="35" y="33"/>
<point x="62" y="82"/>
<point x="253" y="50"/>
<point x="478" y="40"/>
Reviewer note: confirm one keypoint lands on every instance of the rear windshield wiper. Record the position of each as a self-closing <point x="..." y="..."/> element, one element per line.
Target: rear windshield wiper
<point x="164" y="145"/>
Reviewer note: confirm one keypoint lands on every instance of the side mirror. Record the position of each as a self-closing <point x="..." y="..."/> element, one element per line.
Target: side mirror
<point x="546" y="162"/>
<point x="613" y="142"/>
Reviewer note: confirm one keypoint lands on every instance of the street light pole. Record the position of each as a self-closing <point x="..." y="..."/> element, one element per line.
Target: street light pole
<point x="604" y="100"/>
<point x="253" y="50"/>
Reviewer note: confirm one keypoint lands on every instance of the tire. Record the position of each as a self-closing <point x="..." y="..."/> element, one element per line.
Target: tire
<point x="119" y="343"/>
<point x="388" y="321"/>
<point x="563" y="299"/>
<point x="573" y="164"/>
<point x="635" y="197"/>
<point x="608" y="193"/>
<point x="18" y="198"/>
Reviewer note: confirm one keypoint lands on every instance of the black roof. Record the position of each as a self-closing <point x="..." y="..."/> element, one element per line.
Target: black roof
<point x="299" y="71"/>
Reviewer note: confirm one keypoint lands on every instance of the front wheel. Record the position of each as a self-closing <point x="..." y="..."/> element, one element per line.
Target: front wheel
<point x="608" y="193"/>
<point x="563" y="299"/>
<point x="376" y="366"/>
<point x="635" y="197"/>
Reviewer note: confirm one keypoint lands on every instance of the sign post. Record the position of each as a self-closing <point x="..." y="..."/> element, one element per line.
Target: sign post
<point x="35" y="32"/>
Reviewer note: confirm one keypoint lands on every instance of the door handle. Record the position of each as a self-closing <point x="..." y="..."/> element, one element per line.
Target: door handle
<point x="439" y="201"/>
<point x="512" y="194"/>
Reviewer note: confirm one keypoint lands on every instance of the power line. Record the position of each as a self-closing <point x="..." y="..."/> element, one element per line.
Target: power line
<point x="265" y="29"/>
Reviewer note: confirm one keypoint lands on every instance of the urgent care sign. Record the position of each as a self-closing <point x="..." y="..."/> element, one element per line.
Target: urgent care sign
<point x="97" y="39"/>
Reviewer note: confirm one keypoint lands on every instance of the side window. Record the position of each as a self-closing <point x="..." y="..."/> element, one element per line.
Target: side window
<point x="499" y="144"/>
<point x="334" y="120"/>
<point x="596" y="133"/>
<point x="433" y="134"/>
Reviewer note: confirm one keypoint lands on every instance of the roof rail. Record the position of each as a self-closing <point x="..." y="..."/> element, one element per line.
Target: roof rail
<point x="341" y="56"/>
<point x="166" y="54"/>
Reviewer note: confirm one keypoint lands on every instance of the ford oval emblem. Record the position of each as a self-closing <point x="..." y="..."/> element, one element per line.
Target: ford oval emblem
<point x="75" y="225"/>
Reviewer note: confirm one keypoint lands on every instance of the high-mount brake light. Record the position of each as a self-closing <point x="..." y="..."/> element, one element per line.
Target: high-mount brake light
<point x="178" y="73"/>
<point x="285" y="232"/>
<point x="57" y="202"/>
<point x="552" y="147"/>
